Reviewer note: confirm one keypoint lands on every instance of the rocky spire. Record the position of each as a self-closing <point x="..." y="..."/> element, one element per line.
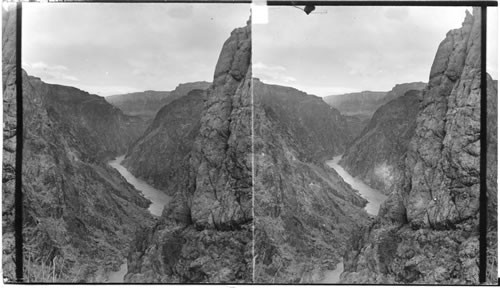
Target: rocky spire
<point x="442" y="166"/>
<point x="222" y="154"/>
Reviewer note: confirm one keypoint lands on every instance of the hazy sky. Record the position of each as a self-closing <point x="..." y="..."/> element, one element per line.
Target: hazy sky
<point x="345" y="49"/>
<point x="123" y="47"/>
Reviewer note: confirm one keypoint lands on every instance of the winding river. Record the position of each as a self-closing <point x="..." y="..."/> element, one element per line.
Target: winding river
<point x="158" y="201"/>
<point x="158" y="198"/>
<point x="374" y="197"/>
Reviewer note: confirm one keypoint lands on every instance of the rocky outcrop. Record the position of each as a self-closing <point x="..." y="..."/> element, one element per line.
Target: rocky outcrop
<point x="146" y="104"/>
<point x="431" y="218"/>
<point x="400" y="89"/>
<point x="388" y="132"/>
<point x="157" y="157"/>
<point x="204" y="235"/>
<point x="304" y="211"/>
<point x="9" y="136"/>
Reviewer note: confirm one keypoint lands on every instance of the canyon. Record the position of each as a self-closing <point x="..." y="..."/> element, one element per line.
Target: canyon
<point x="241" y="181"/>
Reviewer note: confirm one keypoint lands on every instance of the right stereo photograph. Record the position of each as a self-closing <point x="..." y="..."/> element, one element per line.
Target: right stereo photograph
<point x="369" y="142"/>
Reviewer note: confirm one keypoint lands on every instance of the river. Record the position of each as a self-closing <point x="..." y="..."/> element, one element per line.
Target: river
<point x="374" y="198"/>
<point x="158" y="198"/>
<point x="158" y="201"/>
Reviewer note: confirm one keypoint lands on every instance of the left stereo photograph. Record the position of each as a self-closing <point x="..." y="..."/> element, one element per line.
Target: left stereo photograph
<point x="136" y="143"/>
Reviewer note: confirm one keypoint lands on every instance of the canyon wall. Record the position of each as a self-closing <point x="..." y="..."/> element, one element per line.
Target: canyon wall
<point x="304" y="211"/>
<point x="427" y="231"/>
<point x="389" y="133"/>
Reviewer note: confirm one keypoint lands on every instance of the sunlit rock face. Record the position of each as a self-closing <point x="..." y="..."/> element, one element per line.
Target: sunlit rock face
<point x="205" y="235"/>
<point x="431" y="217"/>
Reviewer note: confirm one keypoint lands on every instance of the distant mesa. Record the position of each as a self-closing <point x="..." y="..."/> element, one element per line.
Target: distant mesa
<point x="149" y="102"/>
<point x="367" y="102"/>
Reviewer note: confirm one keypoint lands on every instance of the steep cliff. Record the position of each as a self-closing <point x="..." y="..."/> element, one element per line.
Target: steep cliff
<point x="95" y="124"/>
<point x="388" y="132"/>
<point x="428" y="230"/>
<point x="158" y="155"/>
<point x="204" y="235"/>
<point x="79" y="213"/>
<point x="304" y="211"/>
<point x="315" y="125"/>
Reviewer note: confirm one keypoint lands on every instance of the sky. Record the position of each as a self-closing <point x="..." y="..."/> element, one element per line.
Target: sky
<point x="117" y="48"/>
<point x="337" y="50"/>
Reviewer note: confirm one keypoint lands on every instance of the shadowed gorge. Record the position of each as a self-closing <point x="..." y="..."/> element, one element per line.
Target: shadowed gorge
<point x="304" y="210"/>
<point x="388" y="132"/>
<point x="166" y="143"/>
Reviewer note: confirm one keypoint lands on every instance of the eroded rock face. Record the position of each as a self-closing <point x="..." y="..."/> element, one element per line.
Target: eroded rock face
<point x="304" y="211"/>
<point x="491" y="174"/>
<point x="389" y="132"/>
<point x="9" y="136"/>
<point x="157" y="157"/>
<point x="204" y="235"/>
<point x="443" y="157"/>
<point x="433" y="210"/>
<point x="94" y="124"/>
<point x="79" y="213"/>
<point x="320" y="128"/>
<point x="222" y="152"/>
